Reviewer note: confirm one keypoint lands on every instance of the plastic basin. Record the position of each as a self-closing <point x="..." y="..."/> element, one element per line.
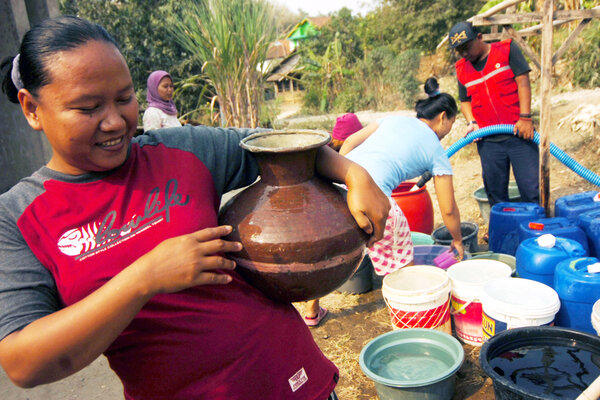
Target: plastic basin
<point x="507" y="259"/>
<point x="419" y="238"/>
<point x="484" y="204"/>
<point x="413" y="364"/>
<point x="469" y="235"/>
<point x="540" y="363"/>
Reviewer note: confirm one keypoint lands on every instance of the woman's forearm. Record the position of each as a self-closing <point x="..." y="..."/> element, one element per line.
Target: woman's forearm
<point x="62" y="343"/>
<point x="444" y="190"/>
<point x="357" y="138"/>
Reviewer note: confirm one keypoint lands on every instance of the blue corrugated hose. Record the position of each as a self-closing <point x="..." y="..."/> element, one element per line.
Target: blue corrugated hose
<point x="508" y="129"/>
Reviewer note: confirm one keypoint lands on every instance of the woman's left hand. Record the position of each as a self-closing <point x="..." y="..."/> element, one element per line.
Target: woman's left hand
<point x="367" y="203"/>
<point x="460" y="249"/>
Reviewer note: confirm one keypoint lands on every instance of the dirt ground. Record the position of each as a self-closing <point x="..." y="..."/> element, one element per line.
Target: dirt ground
<point x="354" y="320"/>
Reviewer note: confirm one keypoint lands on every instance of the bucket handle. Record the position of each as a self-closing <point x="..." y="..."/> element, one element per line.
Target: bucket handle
<point x="462" y="308"/>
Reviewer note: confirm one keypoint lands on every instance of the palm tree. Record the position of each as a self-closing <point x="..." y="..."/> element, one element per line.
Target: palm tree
<point x="230" y="39"/>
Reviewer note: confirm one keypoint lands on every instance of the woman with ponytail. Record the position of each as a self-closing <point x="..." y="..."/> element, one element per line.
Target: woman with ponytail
<point x="399" y="148"/>
<point x="396" y="149"/>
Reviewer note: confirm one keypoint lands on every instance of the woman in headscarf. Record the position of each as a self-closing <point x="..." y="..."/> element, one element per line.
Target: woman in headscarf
<point x="161" y="111"/>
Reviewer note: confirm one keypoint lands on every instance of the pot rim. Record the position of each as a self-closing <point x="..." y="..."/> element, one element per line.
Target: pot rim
<point x="325" y="138"/>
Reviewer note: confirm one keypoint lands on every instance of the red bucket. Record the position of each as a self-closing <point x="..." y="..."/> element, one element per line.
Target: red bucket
<point x="416" y="206"/>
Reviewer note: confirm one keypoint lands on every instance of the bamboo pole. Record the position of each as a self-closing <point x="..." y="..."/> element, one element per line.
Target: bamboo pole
<point x="569" y="40"/>
<point x="525" y="48"/>
<point x="545" y="97"/>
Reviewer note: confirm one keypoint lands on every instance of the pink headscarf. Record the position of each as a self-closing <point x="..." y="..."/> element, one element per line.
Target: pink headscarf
<point x="345" y="126"/>
<point x="152" y="96"/>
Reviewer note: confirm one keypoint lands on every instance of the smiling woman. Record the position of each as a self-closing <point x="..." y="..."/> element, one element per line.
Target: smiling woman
<point x="114" y="246"/>
<point x="88" y="126"/>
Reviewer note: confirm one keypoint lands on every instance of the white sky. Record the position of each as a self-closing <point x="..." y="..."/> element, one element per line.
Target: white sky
<point x="324" y="7"/>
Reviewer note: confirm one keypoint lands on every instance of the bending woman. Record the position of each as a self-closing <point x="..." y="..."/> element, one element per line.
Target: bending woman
<point x="398" y="148"/>
<point x="114" y="246"/>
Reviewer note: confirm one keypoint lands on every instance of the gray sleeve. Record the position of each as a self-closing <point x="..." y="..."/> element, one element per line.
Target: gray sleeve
<point x="27" y="289"/>
<point x="517" y="60"/>
<point x="218" y="148"/>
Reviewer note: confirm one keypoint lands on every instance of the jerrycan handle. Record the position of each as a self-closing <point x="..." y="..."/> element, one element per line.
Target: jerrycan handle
<point x="569" y="248"/>
<point x="592" y="268"/>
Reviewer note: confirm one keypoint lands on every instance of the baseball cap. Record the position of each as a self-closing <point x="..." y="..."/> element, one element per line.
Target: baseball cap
<point x="461" y="33"/>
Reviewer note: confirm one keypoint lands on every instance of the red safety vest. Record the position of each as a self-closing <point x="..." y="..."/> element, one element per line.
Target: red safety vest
<point x="493" y="90"/>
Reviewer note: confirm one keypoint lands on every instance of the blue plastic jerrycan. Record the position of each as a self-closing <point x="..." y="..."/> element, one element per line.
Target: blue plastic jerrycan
<point x="590" y="223"/>
<point x="577" y="282"/>
<point x="537" y="257"/>
<point x="505" y="219"/>
<point x="557" y="226"/>
<point x="571" y="206"/>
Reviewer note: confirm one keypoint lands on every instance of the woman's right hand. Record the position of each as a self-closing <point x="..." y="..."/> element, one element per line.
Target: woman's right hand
<point x="188" y="260"/>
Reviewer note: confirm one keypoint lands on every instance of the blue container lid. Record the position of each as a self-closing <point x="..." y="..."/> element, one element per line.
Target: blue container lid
<point x="411" y="357"/>
<point x="574" y="282"/>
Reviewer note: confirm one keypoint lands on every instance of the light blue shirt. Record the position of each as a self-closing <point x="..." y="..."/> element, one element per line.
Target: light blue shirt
<point x="401" y="148"/>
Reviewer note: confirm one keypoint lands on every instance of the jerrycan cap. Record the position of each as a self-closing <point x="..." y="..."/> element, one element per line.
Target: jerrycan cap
<point x="594" y="268"/>
<point x="548" y="240"/>
<point x="536" y="226"/>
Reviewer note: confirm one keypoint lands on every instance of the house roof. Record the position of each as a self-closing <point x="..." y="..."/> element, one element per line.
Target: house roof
<point x="316" y="22"/>
<point x="282" y="70"/>
<point x="319" y="22"/>
<point x="279" y="49"/>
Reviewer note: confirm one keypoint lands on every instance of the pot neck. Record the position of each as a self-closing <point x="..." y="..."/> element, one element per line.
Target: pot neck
<point x="284" y="169"/>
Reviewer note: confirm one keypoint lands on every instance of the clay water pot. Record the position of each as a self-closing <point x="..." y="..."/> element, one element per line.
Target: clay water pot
<point x="300" y="240"/>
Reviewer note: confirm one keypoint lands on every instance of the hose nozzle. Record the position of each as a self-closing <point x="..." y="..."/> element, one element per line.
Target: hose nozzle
<point x="424" y="179"/>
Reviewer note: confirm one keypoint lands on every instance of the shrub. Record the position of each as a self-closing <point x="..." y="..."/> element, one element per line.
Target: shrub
<point x="585" y="72"/>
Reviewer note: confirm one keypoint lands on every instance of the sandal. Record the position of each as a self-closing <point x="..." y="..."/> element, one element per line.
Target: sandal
<point x="486" y="237"/>
<point x="316" y="320"/>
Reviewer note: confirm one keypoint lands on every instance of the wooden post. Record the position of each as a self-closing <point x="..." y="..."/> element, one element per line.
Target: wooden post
<point x="545" y="97"/>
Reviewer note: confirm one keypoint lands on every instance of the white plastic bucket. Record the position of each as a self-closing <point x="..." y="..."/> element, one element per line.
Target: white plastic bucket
<point x="418" y="296"/>
<point x="467" y="279"/>
<point x="516" y="302"/>
<point x="596" y="316"/>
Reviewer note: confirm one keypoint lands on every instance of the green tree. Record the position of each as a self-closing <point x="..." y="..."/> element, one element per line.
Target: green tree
<point x="139" y="27"/>
<point x="230" y="38"/>
<point x="416" y="24"/>
<point x="324" y="75"/>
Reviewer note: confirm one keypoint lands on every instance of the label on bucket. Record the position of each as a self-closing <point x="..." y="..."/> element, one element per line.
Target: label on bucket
<point x="430" y="318"/>
<point x="467" y="320"/>
<point x="491" y="326"/>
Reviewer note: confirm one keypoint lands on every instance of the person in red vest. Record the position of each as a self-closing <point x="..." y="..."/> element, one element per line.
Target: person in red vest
<point x="493" y="87"/>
